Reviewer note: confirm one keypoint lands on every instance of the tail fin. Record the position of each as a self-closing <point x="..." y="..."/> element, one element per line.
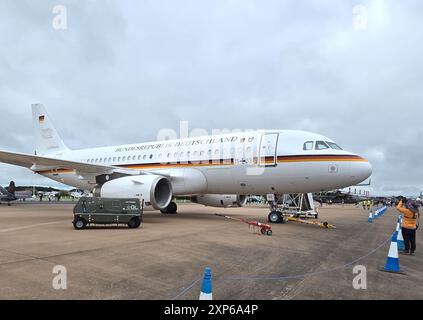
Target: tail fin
<point x="47" y="139"/>
<point x="11" y="188"/>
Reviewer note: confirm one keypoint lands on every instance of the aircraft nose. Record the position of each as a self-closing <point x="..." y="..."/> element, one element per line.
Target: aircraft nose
<point x="361" y="170"/>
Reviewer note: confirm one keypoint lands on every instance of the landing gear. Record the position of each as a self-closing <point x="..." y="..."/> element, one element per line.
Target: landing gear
<point x="275" y="217"/>
<point x="172" y="208"/>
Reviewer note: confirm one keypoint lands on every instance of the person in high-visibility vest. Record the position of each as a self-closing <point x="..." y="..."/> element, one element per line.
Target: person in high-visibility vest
<point x="410" y="223"/>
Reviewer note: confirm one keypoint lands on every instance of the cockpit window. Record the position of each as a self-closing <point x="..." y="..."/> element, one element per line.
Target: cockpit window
<point x="321" y="145"/>
<point x="308" y="145"/>
<point x="333" y="145"/>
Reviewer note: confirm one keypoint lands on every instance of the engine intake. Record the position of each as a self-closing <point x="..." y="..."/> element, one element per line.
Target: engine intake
<point x="154" y="189"/>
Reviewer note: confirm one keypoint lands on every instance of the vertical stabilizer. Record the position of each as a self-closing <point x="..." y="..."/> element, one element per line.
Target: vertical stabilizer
<point x="47" y="139"/>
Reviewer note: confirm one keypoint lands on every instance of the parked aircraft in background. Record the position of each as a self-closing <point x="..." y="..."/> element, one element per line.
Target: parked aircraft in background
<point x="215" y="169"/>
<point x="353" y="194"/>
<point x="77" y="193"/>
<point x="9" y="194"/>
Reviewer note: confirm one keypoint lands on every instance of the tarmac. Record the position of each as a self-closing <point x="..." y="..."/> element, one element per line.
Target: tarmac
<point x="166" y="256"/>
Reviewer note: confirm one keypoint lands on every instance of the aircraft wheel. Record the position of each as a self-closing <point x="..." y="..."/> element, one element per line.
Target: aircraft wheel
<point x="172" y="208"/>
<point x="275" y="217"/>
<point x="135" y="222"/>
<point x="79" y="223"/>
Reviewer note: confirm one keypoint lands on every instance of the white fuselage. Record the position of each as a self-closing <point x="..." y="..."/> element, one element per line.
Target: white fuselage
<point x="258" y="162"/>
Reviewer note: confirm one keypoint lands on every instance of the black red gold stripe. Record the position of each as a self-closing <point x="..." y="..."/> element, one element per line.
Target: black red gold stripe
<point x="221" y="162"/>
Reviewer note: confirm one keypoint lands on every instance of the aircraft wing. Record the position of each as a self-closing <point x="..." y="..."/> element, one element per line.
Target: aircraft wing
<point x="33" y="161"/>
<point x="3" y="191"/>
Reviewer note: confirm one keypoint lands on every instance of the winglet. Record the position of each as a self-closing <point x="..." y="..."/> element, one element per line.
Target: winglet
<point x="47" y="138"/>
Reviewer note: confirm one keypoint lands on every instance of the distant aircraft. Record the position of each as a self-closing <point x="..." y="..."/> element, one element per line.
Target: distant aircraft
<point x="76" y="194"/>
<point x="353" y="194"/>
<point x="216" y="169"/>
<point x="8" y="194"/>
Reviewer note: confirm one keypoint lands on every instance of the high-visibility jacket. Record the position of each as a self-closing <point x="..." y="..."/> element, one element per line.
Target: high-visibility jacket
<point x="409" y="218"/>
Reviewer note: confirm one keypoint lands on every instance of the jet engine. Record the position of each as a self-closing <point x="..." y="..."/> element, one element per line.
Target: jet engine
<point x="154" y="189"/>
<point x="220" y="200"/>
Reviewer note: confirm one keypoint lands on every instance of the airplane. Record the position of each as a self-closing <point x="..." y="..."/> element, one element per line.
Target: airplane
<point x="217" y="170"/>
<point x="8" y="194"/>
<point x="351" y="195"/>
<point x="77" y="194"/>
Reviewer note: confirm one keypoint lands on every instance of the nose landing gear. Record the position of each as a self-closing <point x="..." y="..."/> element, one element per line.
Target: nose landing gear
<point x="276" y="217"/>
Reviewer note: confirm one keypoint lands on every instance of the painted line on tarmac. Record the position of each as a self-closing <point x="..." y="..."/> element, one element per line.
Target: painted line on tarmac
<point x="300" y="276"/>
<point x="28" y="227"/>
<point x="276" y="278"/>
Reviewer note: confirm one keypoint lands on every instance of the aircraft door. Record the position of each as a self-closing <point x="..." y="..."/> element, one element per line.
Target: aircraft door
<point x="268" y="145"/>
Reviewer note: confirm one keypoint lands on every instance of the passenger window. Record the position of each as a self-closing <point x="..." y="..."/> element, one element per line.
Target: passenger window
<point x="308" y="145"/>
<point x="333" y="145"/>
<point x="321" y="145"/>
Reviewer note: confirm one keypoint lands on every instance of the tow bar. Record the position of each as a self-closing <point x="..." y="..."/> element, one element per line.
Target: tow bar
<point x="316" y="223"/>
<point x="264" y="228"/>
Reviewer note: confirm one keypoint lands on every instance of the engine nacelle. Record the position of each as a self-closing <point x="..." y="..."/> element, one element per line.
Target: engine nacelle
<point x="220" y="200"/>
<point x="155" y="190"/>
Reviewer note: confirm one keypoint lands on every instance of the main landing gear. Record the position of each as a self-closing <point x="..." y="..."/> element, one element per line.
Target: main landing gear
<point x="172" y="208"/>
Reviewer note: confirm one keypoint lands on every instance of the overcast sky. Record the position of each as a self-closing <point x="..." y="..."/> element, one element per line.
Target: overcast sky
<point x="124" y="70"/>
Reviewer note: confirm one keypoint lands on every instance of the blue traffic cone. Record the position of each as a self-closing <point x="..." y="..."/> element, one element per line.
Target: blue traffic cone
<point x="370" y="217"/>
<point x="392" y="262"/>
<point x="206" y="287"/>
<point x="400" y="239"/>
<point x="377" y="214"/>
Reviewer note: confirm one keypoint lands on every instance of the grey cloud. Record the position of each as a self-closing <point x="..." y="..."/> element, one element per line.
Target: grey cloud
<point x="126" y="69"/>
